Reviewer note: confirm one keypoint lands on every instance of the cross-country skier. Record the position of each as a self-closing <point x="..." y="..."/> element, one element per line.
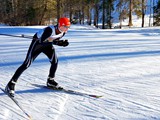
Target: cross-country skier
<point x="43" y="42"/>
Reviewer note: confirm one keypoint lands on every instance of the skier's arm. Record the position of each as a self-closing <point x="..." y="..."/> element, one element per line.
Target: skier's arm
<point x="55" y="37"/>
<point x="63" y="43"/>
<point x="44" y="34"/>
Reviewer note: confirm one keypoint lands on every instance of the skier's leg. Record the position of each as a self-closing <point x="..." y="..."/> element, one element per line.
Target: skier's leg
<point x="31" y="55"/>
<point x="50" y="52"/>
<point x="33" y="52"/>
<point x="54" y="65"/>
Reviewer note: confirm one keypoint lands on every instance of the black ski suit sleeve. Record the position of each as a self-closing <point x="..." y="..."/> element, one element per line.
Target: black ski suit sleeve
<point x="47" y="33"/>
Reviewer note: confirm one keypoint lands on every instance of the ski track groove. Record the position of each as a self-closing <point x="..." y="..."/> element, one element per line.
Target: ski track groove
<point x="139" y="106"/>
<point x="61" y="105"/>
<point x="9" y="108"/>
<point x="146" y="108"/>
<point x="16" y="109"/>
<point x="93" y="108"/>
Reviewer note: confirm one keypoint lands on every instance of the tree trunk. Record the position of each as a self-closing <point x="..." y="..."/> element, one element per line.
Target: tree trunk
<point x="143" y="12"/>
<point x="89" y="16"/>
<point x="43" y="13"/>
<point x="150" y="13"/>
<point x="130" y="13"/>
<point x="58" y="9"/>
<point x="96" y="16"/>
<point x="103" y="17"/>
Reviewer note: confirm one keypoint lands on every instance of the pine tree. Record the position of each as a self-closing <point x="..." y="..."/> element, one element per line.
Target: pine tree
<point x="157" y="14"/>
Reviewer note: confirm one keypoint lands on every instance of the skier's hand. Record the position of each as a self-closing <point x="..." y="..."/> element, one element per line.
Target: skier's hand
<point x="63" y="43"/>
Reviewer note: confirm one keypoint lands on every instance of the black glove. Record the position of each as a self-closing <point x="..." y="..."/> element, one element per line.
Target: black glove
<point x="63" y="43"/>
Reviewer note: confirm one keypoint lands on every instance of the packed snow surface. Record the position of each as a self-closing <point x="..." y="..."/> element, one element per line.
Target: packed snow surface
<point x="121" y="65"/>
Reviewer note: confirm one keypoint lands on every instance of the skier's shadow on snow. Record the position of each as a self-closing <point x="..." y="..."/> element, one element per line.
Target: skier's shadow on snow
<point x="43" y="89"/>
<point x="37" y="89"/>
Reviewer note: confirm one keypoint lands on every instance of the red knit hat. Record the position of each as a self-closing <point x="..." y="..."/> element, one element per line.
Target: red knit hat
<point x="64" y="22"/>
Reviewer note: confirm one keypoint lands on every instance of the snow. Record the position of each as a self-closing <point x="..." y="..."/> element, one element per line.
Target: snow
<point x="122" y="65"/>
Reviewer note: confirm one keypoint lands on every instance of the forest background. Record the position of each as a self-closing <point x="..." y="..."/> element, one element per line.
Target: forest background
<point x="100" y="13"/>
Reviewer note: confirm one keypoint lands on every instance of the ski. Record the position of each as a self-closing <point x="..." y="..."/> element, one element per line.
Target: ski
<point x="69" y="91"/>
<point x="17" y="103"/>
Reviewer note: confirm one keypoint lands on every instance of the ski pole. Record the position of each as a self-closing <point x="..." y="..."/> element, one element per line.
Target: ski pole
<point x="25" y="36"/>
<point x="21" y="36"/>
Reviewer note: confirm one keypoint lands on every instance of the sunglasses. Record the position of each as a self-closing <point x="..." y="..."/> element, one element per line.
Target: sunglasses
<point x="66" y="26"/>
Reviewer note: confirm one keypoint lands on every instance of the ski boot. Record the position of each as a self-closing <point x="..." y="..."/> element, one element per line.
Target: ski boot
<point x="10" y="88"/>
<point x="51" y="83"/>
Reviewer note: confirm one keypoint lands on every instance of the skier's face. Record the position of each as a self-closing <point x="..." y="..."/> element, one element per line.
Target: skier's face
<point x="64" y="28"/>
